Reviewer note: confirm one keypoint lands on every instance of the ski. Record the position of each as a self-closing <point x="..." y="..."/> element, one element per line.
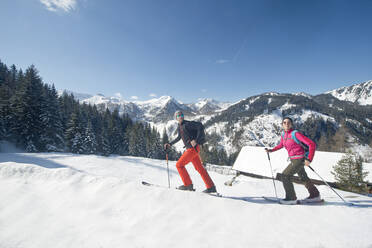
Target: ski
<point x="299" y="202"/>
<point x="302" y="202"/>
<point x="161" y="186"/>
<point x="271" y="199"/>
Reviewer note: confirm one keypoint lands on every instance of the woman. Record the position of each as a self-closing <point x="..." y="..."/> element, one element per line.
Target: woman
<point x="292" y="140"/>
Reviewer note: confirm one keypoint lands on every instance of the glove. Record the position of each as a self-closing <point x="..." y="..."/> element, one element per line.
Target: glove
<point x="166" y="145"/>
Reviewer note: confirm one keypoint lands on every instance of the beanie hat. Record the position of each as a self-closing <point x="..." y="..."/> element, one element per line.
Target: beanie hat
<point x="178" y="113"/>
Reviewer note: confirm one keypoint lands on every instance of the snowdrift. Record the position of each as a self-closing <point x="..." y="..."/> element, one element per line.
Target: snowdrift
<point x="66" y="200"/>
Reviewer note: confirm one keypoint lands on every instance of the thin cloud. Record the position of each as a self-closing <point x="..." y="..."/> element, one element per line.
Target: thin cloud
<point x="134" y="97"/>
<point x="118" y="95"/>
<point x="222" y="61"/>
<point x="153" y="95"/>
<point x="55" y="5"/>
<point x="237" y="54"/>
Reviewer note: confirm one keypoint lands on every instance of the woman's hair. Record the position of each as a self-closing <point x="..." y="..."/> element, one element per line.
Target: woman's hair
<point x="288" y="118"/>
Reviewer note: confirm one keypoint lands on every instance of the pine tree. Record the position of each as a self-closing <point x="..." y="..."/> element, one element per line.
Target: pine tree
<point x="126" y="123"/>
<point x="172" y="153"/>
<point x="5" y="95"/>
<point x="67" y="104"/>
<point x="27" y="111"/>
<point x="116" y="135"/>
<point x="323" y="144"/>
<point x="137" y="141"/>
<point x="105" y="145"/>
<point x="155" y="146"/>
<point x="52" y="129"/>
<point x="74" y="138"/>
<point x="339" y="140"/>
<point x="89" y="145"/>
<point x="165" y="138"/>
<point x="349" y="173"/>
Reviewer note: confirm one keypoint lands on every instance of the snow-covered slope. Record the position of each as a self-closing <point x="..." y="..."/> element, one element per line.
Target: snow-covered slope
<point x="65" y="200"/>
<point x="357" y="93"/>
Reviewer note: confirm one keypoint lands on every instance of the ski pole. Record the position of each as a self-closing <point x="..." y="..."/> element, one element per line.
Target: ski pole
<point x="272" y="175"/>
<point x="166" y="156"/>
<point x="349" y="203"/>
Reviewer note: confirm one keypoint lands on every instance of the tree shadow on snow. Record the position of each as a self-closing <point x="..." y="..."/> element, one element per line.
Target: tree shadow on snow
<point x="145" y="162"/>
<point x="23" y="158"/>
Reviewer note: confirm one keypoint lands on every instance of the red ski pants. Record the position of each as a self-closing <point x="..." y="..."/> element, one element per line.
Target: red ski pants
<point x="191" y="155"/>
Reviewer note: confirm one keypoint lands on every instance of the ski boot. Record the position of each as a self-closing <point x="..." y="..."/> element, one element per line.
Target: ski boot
<point x="210" y="190"/>
<point x="187" y="188"/>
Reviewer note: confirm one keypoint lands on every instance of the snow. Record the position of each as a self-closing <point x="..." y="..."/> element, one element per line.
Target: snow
<point x="359" y="93"/>
<point x="302" y="94"/>
<point x="155" y="102"/>
<point x="78" y="96"/>
<point x="67" y="200"/>
<point x="254" y="99"/>
<point x="287" y="106"/>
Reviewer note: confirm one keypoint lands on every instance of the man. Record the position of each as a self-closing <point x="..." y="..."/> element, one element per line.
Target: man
<point x="191" y="133"/>
<point x="292" y="140"/>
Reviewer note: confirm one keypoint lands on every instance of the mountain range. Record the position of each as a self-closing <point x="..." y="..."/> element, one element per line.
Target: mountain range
<point x="256" y="119"/>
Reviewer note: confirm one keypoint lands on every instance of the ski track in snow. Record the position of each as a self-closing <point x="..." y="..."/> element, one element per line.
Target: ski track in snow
<point x="67" y="200"/>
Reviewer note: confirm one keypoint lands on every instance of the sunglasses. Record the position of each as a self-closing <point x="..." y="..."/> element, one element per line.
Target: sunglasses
<point x="179" y="115"/>
<point x="287" y="122"/>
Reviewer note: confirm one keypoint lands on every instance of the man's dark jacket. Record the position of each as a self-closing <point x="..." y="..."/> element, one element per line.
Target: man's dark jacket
<point x="187" y="131"/>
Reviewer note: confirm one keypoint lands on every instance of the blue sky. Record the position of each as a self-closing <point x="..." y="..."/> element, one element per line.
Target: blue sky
<point x="190" y="49"/>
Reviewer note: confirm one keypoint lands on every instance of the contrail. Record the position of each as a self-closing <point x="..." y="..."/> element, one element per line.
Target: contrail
<point x="240" y="49"/>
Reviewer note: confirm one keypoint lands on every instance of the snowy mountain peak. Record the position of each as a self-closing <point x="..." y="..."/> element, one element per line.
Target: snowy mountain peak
<point x="77" y="96"/>
<point x="271" y="94"/>
<point x="158" y="102"/>
<point x="303" y="94"/>
<point x="357" y="93"/>
<point x="208" y="105"/>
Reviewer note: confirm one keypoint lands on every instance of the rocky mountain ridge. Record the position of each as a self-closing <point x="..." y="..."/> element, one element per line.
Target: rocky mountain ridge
<point x="256" y="119"/>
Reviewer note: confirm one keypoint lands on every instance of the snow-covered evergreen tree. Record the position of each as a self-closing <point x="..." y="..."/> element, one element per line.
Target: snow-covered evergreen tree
<point x="74" y="138"/>
<point x="137" y="141"/>
<point x="105" y="145"/>
<point x="27" y="111"/>
<point x="89" y="140"/>
<point x="52" y="132"/>
<point x="77" y="144"/>
<point x="154" y="146"/>
<point x="5" y="95"/>
<point x="349" y="173"/>
<point x="116" y="137"/>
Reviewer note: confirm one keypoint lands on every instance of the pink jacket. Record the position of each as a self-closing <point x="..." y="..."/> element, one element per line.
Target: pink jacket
<point x="295" y="150"/>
